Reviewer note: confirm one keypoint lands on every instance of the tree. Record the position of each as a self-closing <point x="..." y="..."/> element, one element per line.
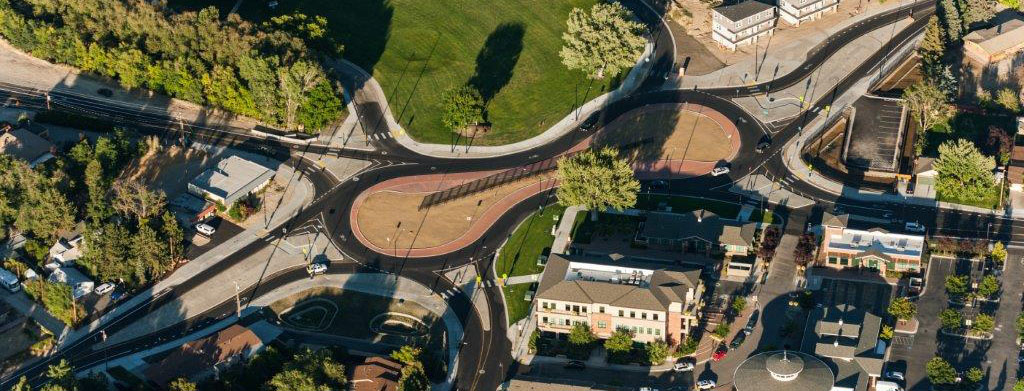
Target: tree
<point x="927" y="104"/>
<point x="597" y="181"/>
<point x="988" y="286"/>
<point x="983" y="323"/>
<point x="903" y="309"/>
<point x="976" y="11"/>
<point x="22" y="385"/>
<point x="999" y="144"/>
<point x="951" y="319"/>
<point x="1019" y="385"/>
<point x="181" y="384"/>
<point x="657" y="351"/>
<point x="580" y="335"/>
<point x="133" y="198"/>
<point x="687" y="347"/>
<point x="320" y="366"/>
<point x="601" y="43"/>
<point x="721" y="331"/>
<point x="769" y="242"/>
<point x="621" y="341"/>
<point x="407" y="354"/>
<point x="932" y="46"/>
<point x="956" y="285"/>
<point x="321" y="107"/>
<point x="97" y="208"/>
<point x="998" y="253"/>
<point x="61" y="374"/>
<point x="295" y="380"/>
<point x="1019" y="325"/>
<point x="886" y="333"/>
<point x="1008" y="99"/>
<point x="738" y="304"/>
<point x="974" y="375"/>
<point x="803" y="253"/>
<point x="951" y="19"/>
<point x="963" y="171"/>
<point x="463" y="106"/>
<point x="940" y="371"/>
<point x="413" y="379"/>
<point x="172" y="231"/>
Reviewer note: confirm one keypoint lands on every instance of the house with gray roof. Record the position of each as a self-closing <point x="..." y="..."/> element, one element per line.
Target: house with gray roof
<point x="699" y="231"/>
<point x="847" y="337"/>
<point x="742" y="23"/>
<point x="654" y="301"/>
<point x="996" y="43"/>
<point x="25" y="145"/>
<point x="231" y="180"/>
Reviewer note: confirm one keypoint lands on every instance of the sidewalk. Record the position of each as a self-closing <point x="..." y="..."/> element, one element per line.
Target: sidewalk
<point x="368" y="90"/>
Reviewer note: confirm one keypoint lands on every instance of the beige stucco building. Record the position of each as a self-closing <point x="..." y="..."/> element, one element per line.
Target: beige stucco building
<point x="654" y="301"/>
<point x="996" y="43"/>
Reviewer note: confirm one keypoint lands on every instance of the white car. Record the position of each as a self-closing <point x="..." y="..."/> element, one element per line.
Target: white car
<point x="103" y="289"/>
<point x="706" y="384"/>
<point x="648" y="389"/>
<point x="894" y="375"/>
<point x="719" y="170"/>
<point x="205" y="229"/>
<point x="683" y="367"/>
<point x="914" y="226"/>
<point x="316" y="268"/>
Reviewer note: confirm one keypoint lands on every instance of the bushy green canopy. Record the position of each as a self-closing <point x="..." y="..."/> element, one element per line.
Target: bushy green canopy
<point x="603" y="42"/>
<point x="597" y="180"/>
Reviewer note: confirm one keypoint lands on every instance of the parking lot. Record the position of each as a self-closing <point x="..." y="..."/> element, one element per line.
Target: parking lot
<point x="196" y="243"/>
<point x="874" y="138"/>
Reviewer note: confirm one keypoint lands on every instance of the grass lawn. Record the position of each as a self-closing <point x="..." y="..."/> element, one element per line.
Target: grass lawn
<point x="517" y="308"/>
<point x="990" y="201"/>
<point x="418" y="49"/>
<point x="519" y="255"/>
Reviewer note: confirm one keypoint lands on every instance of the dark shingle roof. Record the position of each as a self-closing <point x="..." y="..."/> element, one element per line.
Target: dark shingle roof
<point x="669" y="283"/>
<point x="698" y="224"/>
<point x="742" y="10"/>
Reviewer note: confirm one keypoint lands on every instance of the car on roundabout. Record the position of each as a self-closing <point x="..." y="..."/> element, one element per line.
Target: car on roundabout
<point x="706" y="384"/>
<point x="720" y="170"/>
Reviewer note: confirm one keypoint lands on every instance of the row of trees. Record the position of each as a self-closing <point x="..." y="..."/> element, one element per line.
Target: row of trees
<point x="941" y="372"/>
<point x="268" y="72"/>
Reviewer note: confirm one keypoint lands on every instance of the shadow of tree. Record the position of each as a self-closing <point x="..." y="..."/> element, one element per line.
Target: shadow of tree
<point x="364" y="27"/>
<point x="497" y="59"/>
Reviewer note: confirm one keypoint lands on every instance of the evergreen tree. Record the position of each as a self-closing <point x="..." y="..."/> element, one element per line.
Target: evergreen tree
<point x="174" y="235"/>
<point x="963" y="171"/>
<point x="940" y="371"/>
<point x="951" y="20"/>
<point x="976" y="11"/>
<point x="97" y="208"/>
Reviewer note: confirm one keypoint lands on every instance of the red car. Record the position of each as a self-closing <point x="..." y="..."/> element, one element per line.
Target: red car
<point x="720" y="353"/>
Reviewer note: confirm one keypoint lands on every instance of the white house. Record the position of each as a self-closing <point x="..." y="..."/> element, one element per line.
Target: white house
<point x="796" y="12"/>
<point x="743" y="23"/>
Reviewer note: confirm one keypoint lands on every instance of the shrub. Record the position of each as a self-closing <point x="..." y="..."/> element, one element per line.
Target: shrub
<point x="983" y="323"/>
<point x="721" y="331"/>
<point x="56" y="298"/>
<point x="620" y="342"/>
<point x="886" y="333"/>
<point x="687" y="347"/>
<point x="657" y="351"/>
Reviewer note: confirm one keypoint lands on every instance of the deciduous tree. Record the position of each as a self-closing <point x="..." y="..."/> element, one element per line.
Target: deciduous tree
<point x="803" y="253"/>
<point x="621" y="341"/>
<point x="603" y="42"/>
<point x="656" y="351"/>
<point x="956" y="285"/>
<point x="580" y="335"/>
<point x="983" y="323"/>
<point x="988" y="286"/>
<point x="940" y="371"/>
<point x="597" y="180"/>
<point x="1009" y="99"/>
<point x="951" y="319"/>
<point x="927" y="104"/>
<point x="998" y="253"/>
<point x="181" y="384"/>
<point x="463" y="106"/>
<point x="903" y="309"/>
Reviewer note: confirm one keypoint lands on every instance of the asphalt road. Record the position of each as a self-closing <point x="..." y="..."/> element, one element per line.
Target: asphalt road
<point x="485" y="358"/>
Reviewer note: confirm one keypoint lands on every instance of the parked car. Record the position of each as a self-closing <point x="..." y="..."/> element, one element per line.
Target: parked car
<point x="683" y="365"/>
<point x="737" y="341"/>
<point x="316" y="268"/>
<point x="575" y="364"/>
<point x="205" y="229"/>
<point x="105" y="92"/>
<point x="706" y="385"/>
<point x="914" y="226"/>
<point x="752" y="322"/>
<point x="916" y="285"/>
<point x="894" y="375"/>
<point x="883" y="385"/>
<point x="103" y="289"/>
<point x="720" y="353"/>
<point x="648" y="389"/>
<point x="720" y="170"/>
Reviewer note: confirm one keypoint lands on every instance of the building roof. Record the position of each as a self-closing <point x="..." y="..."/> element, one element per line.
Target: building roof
<point x="848" y="333"/>
<point x="877" y="242"/>
<point x="700" y="224"/>
<point x="376" y="374"/>
<point x="831" y="220"/>
<point x="739" y="11"/>
<point x="621" y="283"/>
<point x="25" y="145"/>
<point x="999" y="38"/>
<point x="527" y="383"/>
<point x="761" y="372"/>
<point x="196" y="357"/>
<point x="231" y="177"/>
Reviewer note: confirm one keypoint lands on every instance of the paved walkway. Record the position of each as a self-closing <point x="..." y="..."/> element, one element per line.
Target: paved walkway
<point x="368" y="90"/>
<point x="529" y="278"/>
<point x="433" y="182"/>
<point x="23" y="304"/>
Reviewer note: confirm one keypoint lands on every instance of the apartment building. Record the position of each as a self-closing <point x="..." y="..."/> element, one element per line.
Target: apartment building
<point x="843" y="248"/>
<point x="743" y="23"/>
<point x="654" y="301"/>
<point x="796" y="12"/>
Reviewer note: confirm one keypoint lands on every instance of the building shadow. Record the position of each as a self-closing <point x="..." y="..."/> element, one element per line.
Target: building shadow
<point x="497" y="59"/>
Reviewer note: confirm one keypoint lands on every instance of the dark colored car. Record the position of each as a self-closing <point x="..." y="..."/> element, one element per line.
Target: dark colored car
<point x="106" y="92"/>
<point x="574" y="364"/>
<point x="752" y="322"/>
<point x="591" y="122"/>
<point x="762" y="146"/>
<point x="738" y="340"/>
